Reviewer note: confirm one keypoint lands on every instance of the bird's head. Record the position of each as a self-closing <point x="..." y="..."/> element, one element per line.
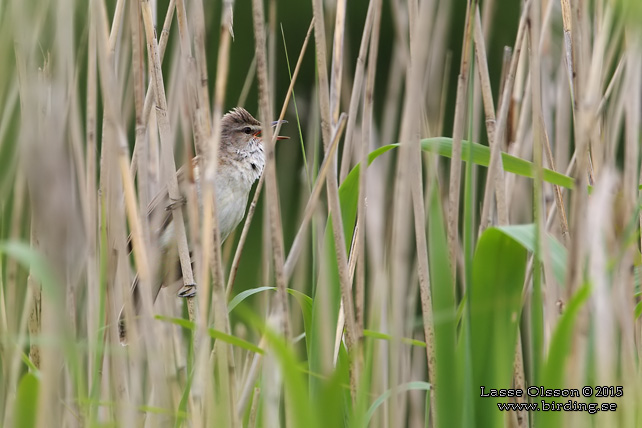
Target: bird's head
<point x="240" y="130"/>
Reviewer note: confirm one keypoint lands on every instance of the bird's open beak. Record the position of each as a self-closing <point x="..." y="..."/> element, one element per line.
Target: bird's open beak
<point x="274" y="124"/>
<point x="277" y="122"/>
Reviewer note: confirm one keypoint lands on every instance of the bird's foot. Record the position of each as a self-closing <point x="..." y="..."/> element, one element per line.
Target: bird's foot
<point x="188" y="290"/>
<point x="175" y="204"/>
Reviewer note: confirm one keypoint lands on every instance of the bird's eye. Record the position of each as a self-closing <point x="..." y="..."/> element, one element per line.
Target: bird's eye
<point x="247" y="130"/>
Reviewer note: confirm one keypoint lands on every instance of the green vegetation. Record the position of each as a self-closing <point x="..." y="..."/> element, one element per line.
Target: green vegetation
<point x="455" y="217"/>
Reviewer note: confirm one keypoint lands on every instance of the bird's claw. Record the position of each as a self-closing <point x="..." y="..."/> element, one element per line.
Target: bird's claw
<point x="188" y="290"/>
<point x="176" y="203"/>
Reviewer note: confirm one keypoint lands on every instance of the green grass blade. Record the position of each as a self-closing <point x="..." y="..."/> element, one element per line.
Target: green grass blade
<point x="553" y="373"/>
<point x="449" y="373"/>
<point x="409" y="386"/>
<point x="525" y="235"/>
<point x="215" y="334"/>
<point x="305" y="302"/>
<point x="244" y="295"/>
<point x="481" y="156"/>
<point x="499" y="268"/>
<point x="26" y="405"/>
<point x="383" y="336"/>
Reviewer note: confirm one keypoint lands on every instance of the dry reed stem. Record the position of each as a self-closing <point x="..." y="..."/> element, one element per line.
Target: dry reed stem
<point x="333" y="197"/>
<point x="341" y="319"/>
<point x="249" y="380"/>
<point x="22" y="330"/>
<point x="583" y="123"/>
<point x="374" y="16"/>
<point x="297" y="245"/>
<point x="410" y="160"/>
<point x="115" y="225"/>
<point x="489" y="110"/>
<point x="140" y="144"/>
<point x="322" y="70"/>
<point x="91" y="212"/>
<point x="459" y="126"/>
<point x="534" y="23"/>
<point x="214" y="299"/>
<point x="108" y="84"/>
<point x="257" y="192"/>
<point x="149" y="95"/>
<point x="495" y="165"/>
<point x="227" y="383"/>
<point x="9" y="313"/>
<point x="212" y="161"/>
<point x="331" y="180"/>
<point x="202" y="94"/>
<point x="249" y="79"/>
<point x="115" y="26"/>
<point x="167" y="147"/>
<point x="540" y="134"/>
<point x="162" y="46"/>
<point x="337" y="61"/>
<point x="272" y="197"/>
<point x="506" y="61"/>
<point x="609" y="89"/>
<point x="190" y="67"/>
<point x="344" y="277"/>
<point x="559" y="199"/>
<point x="255" y="407"/>
<point x="355" y="96"/>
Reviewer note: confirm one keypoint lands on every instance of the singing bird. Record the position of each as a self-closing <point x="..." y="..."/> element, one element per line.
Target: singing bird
<point x="241" y="160"/>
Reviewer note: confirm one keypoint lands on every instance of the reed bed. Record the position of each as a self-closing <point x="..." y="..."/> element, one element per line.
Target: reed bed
<point x="456" y="213"/>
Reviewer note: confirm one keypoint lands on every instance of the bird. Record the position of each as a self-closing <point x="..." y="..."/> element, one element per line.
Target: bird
<point x="241" y="161"/>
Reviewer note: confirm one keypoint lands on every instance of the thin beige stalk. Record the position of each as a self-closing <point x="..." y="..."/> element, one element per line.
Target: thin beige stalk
<point x="131" y="204"/>
<point x="272" y="196"/>
<point x="255" y="407"/>
<point x="495" y="165"/>
<point x="337" y="60"/>
<point x="166" y="143"/>
<point x="212" y="303"/>
<point x="202" y="95"/>
<point x="459" y="126"/>
<point x="91" y="212"/>
<point x="331" y="180"/>
<point x="22" y="333"/>
<point x="10" y="312"/>
<point x="322" y="69"/>
<point x="410" y="160"/>
<point x="341" y="319"/>
<point x="257" y="192"/>
<point x="356" y="93"/>
<point x="189" y="65"/>
<point x="281" y="312"/>
<point x="149" y="95"/>
<point x="297" y="244"/>
<point x="333" y="197"/>
<point x="498" y="184"/>
<point x="617" y="74"/>
<point x="227" y="370"/>
<point x="351" y="335"/>
<point x="559" y="199"/>
<point x="115" y="26"/>
<point x="247" y="85"/>
<point x="140" y="143"/>
<point x="374" y="11"/>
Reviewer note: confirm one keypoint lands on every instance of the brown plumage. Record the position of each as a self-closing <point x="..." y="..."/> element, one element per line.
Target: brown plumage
<point x="241" y="160"/>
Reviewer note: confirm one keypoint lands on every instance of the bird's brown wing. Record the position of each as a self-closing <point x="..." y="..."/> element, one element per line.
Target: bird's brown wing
<point x="159" y="209"/>
<point x="159" y="214"/>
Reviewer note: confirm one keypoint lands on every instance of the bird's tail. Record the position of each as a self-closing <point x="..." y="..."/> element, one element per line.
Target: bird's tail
<point x="122" y="324"/>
